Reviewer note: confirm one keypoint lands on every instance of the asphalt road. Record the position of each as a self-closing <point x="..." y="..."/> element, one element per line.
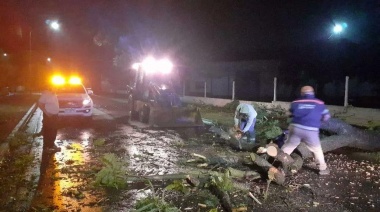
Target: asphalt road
<point x="55" y="188"/>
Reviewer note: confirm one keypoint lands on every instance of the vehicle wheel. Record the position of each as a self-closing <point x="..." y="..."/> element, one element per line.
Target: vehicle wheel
<point x="144" y="115"/>
<point x="133" y="115"/>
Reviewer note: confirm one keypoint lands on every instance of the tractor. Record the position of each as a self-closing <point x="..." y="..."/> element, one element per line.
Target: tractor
<point x="152" y="98"/>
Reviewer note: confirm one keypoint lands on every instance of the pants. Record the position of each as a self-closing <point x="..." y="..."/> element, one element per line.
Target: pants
<point x="49" y="130"/>
<point x="310" y="138"/>
<point x="250" y="134"/>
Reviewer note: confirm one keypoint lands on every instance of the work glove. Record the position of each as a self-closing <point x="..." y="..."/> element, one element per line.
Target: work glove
<point x="238" y="135"/>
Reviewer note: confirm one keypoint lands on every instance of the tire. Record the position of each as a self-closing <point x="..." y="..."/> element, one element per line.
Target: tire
<point x="133" y="115"/>
<point x="144" y="115"/>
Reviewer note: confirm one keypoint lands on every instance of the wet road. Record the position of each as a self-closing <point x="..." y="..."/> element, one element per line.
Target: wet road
<point x="66" y="178"/>
<point x="62" y="182"/>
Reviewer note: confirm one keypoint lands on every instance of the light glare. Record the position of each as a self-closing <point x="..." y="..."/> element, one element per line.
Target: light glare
<point x="338" y="29"/>
<point x="55" y="25"/>
<point x="86" y="102"/>
<point x="165" y="66"/>
<point x="149" y="65"/>
<point x="58" y="80"/>
<point x="75" y="80"/>
<point x="136" y="66"/>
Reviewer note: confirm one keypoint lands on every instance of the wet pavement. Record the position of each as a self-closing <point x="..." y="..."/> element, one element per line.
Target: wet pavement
<point x="65" y="179"/>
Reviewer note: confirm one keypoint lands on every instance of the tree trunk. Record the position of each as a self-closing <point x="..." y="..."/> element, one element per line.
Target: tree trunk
<point x="274" y="174"/>
<point x="345" y="136"/>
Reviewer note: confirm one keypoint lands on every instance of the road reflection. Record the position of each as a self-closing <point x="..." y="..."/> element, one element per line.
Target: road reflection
<point x="61" y="185"/>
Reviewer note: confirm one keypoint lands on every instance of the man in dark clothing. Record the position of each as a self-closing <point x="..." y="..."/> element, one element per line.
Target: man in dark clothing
<point x="48" y="103"/>
<point x="307" y="114"/>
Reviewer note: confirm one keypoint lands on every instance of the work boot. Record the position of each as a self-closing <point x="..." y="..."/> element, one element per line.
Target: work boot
<point x="312" y="165"/>
<point x="324" y="172"/>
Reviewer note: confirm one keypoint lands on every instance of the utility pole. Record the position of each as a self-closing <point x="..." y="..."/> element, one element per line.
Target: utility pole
<point x="29" y="75"/>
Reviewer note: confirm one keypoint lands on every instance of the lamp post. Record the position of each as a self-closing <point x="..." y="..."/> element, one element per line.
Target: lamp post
<point x="55" y="26"/>
<point x="338" y="29"/>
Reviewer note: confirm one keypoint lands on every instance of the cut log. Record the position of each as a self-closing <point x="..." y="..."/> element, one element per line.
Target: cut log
<point x="297" y="163"/>
<point x="274" y="174"/>
<point x="274" y="151"/>
<point x="290" y="163"/>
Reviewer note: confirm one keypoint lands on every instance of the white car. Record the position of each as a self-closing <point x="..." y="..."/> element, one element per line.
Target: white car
<point x="74" y="100"/>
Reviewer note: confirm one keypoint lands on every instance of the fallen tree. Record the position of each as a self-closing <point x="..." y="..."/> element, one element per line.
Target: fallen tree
<point x="344" y="135"/>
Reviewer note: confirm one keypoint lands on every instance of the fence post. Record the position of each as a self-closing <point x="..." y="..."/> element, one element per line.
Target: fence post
<point x="233" y="90"/>
<point x="346" y="92"/>
<point x="205" y="89"/>
<point x="274" y="89"/>
<point x="184" y="88"/>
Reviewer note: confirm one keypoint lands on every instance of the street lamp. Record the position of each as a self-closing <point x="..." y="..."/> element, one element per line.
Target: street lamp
<point x="55" y="26"/>
<point x="5" y="54"/>
<point x="338" y="28"/>
<point x="48" y="59"/>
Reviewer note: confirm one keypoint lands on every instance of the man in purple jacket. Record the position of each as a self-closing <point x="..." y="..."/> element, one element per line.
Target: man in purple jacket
<point x="307" y="114"/>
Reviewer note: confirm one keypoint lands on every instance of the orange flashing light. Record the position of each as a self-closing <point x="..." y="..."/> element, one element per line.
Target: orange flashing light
<point x="58" y="80"/>
<point x="75" y="80"/>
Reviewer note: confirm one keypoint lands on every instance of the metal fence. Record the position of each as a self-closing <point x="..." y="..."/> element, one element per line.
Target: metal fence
<point x="342" y="92"/>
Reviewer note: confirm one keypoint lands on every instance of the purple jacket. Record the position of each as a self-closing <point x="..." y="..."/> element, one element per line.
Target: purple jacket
<point x="308" y="112"/>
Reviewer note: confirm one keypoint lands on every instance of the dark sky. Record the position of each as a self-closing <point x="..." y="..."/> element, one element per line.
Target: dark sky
<point x="94" y="31"/>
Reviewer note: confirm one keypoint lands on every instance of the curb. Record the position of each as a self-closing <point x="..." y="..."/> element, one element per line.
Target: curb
<point x="4" y="147"/>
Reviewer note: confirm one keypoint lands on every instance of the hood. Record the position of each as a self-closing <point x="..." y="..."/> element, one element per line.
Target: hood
<point x="72" y="96"/>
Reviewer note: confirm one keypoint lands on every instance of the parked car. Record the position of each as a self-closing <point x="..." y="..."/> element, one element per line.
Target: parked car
<point x="74" y="100"/>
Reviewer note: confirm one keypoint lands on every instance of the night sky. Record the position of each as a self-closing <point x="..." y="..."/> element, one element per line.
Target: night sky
<point x="96" y="31"/>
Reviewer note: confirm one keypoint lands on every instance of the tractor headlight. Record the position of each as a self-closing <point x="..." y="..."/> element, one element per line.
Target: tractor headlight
<point x="151" y="65"/>
<point x="165" y="66"/>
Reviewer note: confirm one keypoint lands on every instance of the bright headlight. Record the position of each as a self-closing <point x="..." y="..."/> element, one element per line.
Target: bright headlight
<point x="149" y="65"/>
<point x="165" y="66"/>
<point x="86" y="101"/>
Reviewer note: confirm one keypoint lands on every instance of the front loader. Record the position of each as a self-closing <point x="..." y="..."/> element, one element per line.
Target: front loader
<point x="153" y="101"/>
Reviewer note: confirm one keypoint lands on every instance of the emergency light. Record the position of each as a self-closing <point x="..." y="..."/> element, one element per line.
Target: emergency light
<point x="59" y="80"/>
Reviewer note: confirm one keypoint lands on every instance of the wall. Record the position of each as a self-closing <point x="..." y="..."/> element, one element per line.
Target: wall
<point x="254" y="79"/>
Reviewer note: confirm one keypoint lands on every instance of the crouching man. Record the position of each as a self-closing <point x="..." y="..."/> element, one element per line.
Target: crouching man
<point x="307" y="114"/>
<point x="245" y="119"/>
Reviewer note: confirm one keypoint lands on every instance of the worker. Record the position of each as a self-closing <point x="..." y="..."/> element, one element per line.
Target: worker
<point x="48" y="103"/>
<point x="245" y="119"/>
<point x="307" y="114"/>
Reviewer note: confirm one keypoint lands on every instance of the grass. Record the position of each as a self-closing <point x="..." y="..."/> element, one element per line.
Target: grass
<point x="12" y="109"/>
